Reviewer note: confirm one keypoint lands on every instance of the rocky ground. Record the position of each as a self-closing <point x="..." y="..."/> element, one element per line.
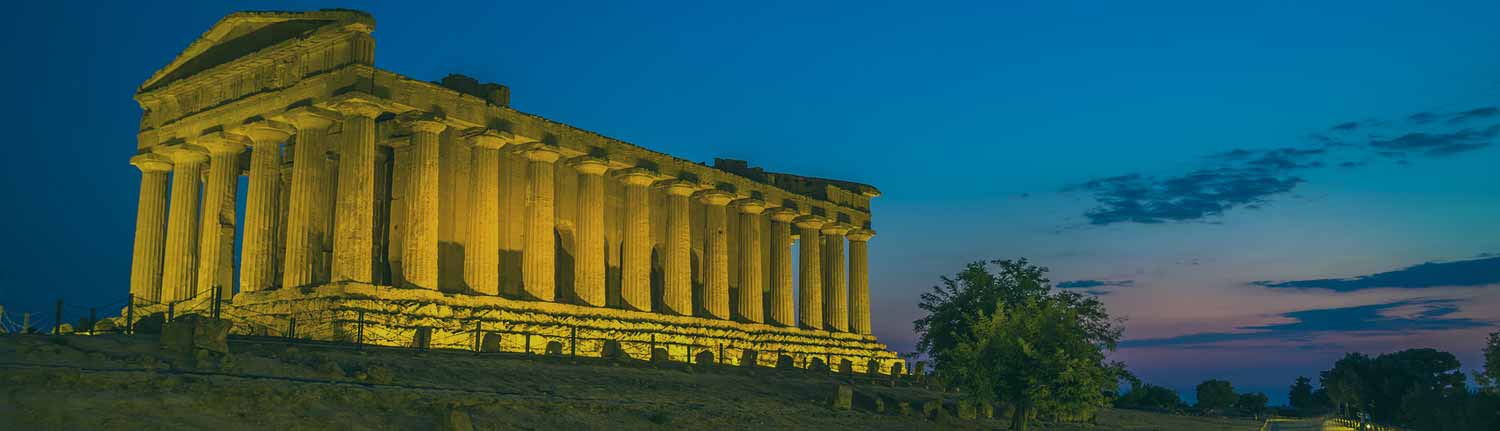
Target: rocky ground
<point x="130" y="382"/>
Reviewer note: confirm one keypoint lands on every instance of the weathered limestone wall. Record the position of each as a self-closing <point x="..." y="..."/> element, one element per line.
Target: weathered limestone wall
<point x="394" y="316"/>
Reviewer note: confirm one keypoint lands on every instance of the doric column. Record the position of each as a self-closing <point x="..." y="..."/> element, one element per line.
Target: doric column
<point x="677" y="286"/>
<point x="419" y="259"/>
<point x="810" y="305"/>
<point x="859" y="280"/>
<point x="218" y="202"/>
<point x="783" y="306"/>
<point x="308" y="162"/>
<point x="539" y="258"/>
<point x="180" y="264"/>
<point x="354" y="221"/>
<point x="512" y="222"/>
<point x="635" y="278"/>
<point x="748" y="302"/>
<point x="835" y="291"/>
<point x="482" y="255"/>
<point x="262" y="200"/>
<point x="150" y="226"/>
<point x="716" y="253"/>
<point x="588" y="265"/>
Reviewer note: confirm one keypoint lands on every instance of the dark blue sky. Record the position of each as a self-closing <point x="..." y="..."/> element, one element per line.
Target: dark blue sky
<point x="1216" y="167"/>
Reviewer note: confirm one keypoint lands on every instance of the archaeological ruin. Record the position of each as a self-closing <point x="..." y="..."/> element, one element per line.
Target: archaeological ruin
<point x="386" y="210"/>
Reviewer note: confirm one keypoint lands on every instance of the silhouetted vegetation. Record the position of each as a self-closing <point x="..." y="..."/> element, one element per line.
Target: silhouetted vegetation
<point x="1006" y="336"/>
<point x="1152" y="398"/>
<point x="1215" y="395"/>
<point x="1418" y="389"/>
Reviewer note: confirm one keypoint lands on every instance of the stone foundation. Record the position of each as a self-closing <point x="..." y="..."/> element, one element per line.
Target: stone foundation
<point x="413" y="317"/>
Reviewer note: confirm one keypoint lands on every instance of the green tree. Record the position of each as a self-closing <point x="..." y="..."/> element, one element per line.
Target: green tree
<point x="1489" y="378"/>
<point x="1301" y="395"/>
<point x="1150" y="397"/>
<point x="1253" y="403"/>
<point x="1006" y="336"/>
<point x="1215" y="395"/>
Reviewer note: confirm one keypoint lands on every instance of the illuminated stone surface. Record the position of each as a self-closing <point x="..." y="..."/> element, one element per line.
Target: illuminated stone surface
<point x="435" y="209"/>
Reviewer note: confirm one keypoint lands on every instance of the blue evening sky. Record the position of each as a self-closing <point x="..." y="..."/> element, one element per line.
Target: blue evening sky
<point x="1096" y="138"/>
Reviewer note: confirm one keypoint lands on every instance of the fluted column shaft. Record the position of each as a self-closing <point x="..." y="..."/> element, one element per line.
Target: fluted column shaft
<point x="354" y="222"/>
<point x="218" y="210"/>
<point x="748" y="302"/>
<point x="482" y="253"/>
<point x="859" y="280"/>
<point x="835" y="291"/>
<point x="635" y="271"/>
<point x="150" y="227"/>
<point x="180" y="264"/>
<point x="783" y="304"/>
<point x="716" y="253"/>
<point x="419" y="259"/>
<point x="308" y="161"/>
<point x="539" y="259"/>
<point x="257" y="256"/>
<point x="810" y="304"/>
<point x="588" y="265"/>
<point x="677" y="286"/>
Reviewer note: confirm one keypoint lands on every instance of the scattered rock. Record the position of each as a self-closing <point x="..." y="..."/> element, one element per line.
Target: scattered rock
<point x="704" y="358"/>
<point x="612" y="350"/>
<point x="817" y="365"/>
<point x="843" y="397"/>
<point x="903" y="408"/>
<point x="660" y="355"/>
<point x="150" y="324"/>
<point x="193" y="332"/>
<point x="785" y="362"/>
<point x="846" y="367"/>
<point x="748" y="358"/>
<point x="554" y="348"/>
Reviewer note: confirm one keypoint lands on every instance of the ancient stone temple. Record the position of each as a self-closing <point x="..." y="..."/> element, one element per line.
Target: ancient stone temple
<point x="387" y="210"/>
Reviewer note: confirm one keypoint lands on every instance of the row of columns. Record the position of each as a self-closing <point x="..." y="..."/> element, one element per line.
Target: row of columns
<point x="177" y="247"/>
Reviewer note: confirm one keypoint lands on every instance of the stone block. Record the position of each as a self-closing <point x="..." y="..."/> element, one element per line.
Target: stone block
<point x="749" y="357"/>
<point x="422" y="339"/>
<point x="704" y="358"/>
<point x="846" y="367"/>
<point x="843" y="397"/>
<point x="150" y="324"/>
<point x="554" y="348"/>
<point x="490" y="343"/>
<point x="192" y="332"/>
<point x="785" y="362"/>
<point x="612" y="350"/>
<point x="660" y="355"/>
<point x="817" y="364"/>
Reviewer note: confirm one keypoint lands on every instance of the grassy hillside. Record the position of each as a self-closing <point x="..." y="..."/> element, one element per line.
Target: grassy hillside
<point x="122" y="382"/>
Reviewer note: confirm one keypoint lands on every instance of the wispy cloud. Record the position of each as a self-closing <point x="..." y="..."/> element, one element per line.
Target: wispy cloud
<point x="1373" y="319"/>
<point x="1087" y="284"/>
<point x="1251" y="178"/>
<point x="1484" y="270"/>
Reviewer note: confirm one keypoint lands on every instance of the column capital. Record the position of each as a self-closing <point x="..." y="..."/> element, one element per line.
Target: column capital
<point x="860" y="235"/>
<point x="539" y="152"/>
<point x="182" y="153"/>
<point x="266" y="132"/>
<point x="309" y="117"/>
<point x="836" y="228"/>
<point x="635" y="176"/>
<point x="589" y="165"/>
<point x="714" y="197"/>
<point x="424" y="125"/>
<point x="223" y="143"/>
<point x="749" y="205"/>
<point x="359" y="108"/>
<point x="782" y="214"/>
<point x="677" y="187"/>
<point x="150" y="162"/>
<point x="809" y="221"/>
<point x="489" y="139"/>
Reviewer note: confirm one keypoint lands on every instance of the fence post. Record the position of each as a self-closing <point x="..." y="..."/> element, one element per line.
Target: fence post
<point x="359" y="340"/>
<point x="478" y="332"/>
<point x="57" y="325"/>
<point x="721" y="353"/>
<point x="130" y="315"/>
<point x="573" y="342"/>
<point x="93" y="317"/>
<point x="652" y="351"/>
<point x="171" y="311"/>
<point x="217" y="296"/>
<point x="25" y="322"/>
<point x="291" y="327"/>
<point x="528" y="343"/>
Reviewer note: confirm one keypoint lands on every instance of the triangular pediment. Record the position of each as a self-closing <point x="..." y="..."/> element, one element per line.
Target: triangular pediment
<point x="243" y="33"/>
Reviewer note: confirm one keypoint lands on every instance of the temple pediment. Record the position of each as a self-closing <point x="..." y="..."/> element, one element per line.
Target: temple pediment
<point x="243" y="33"/>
